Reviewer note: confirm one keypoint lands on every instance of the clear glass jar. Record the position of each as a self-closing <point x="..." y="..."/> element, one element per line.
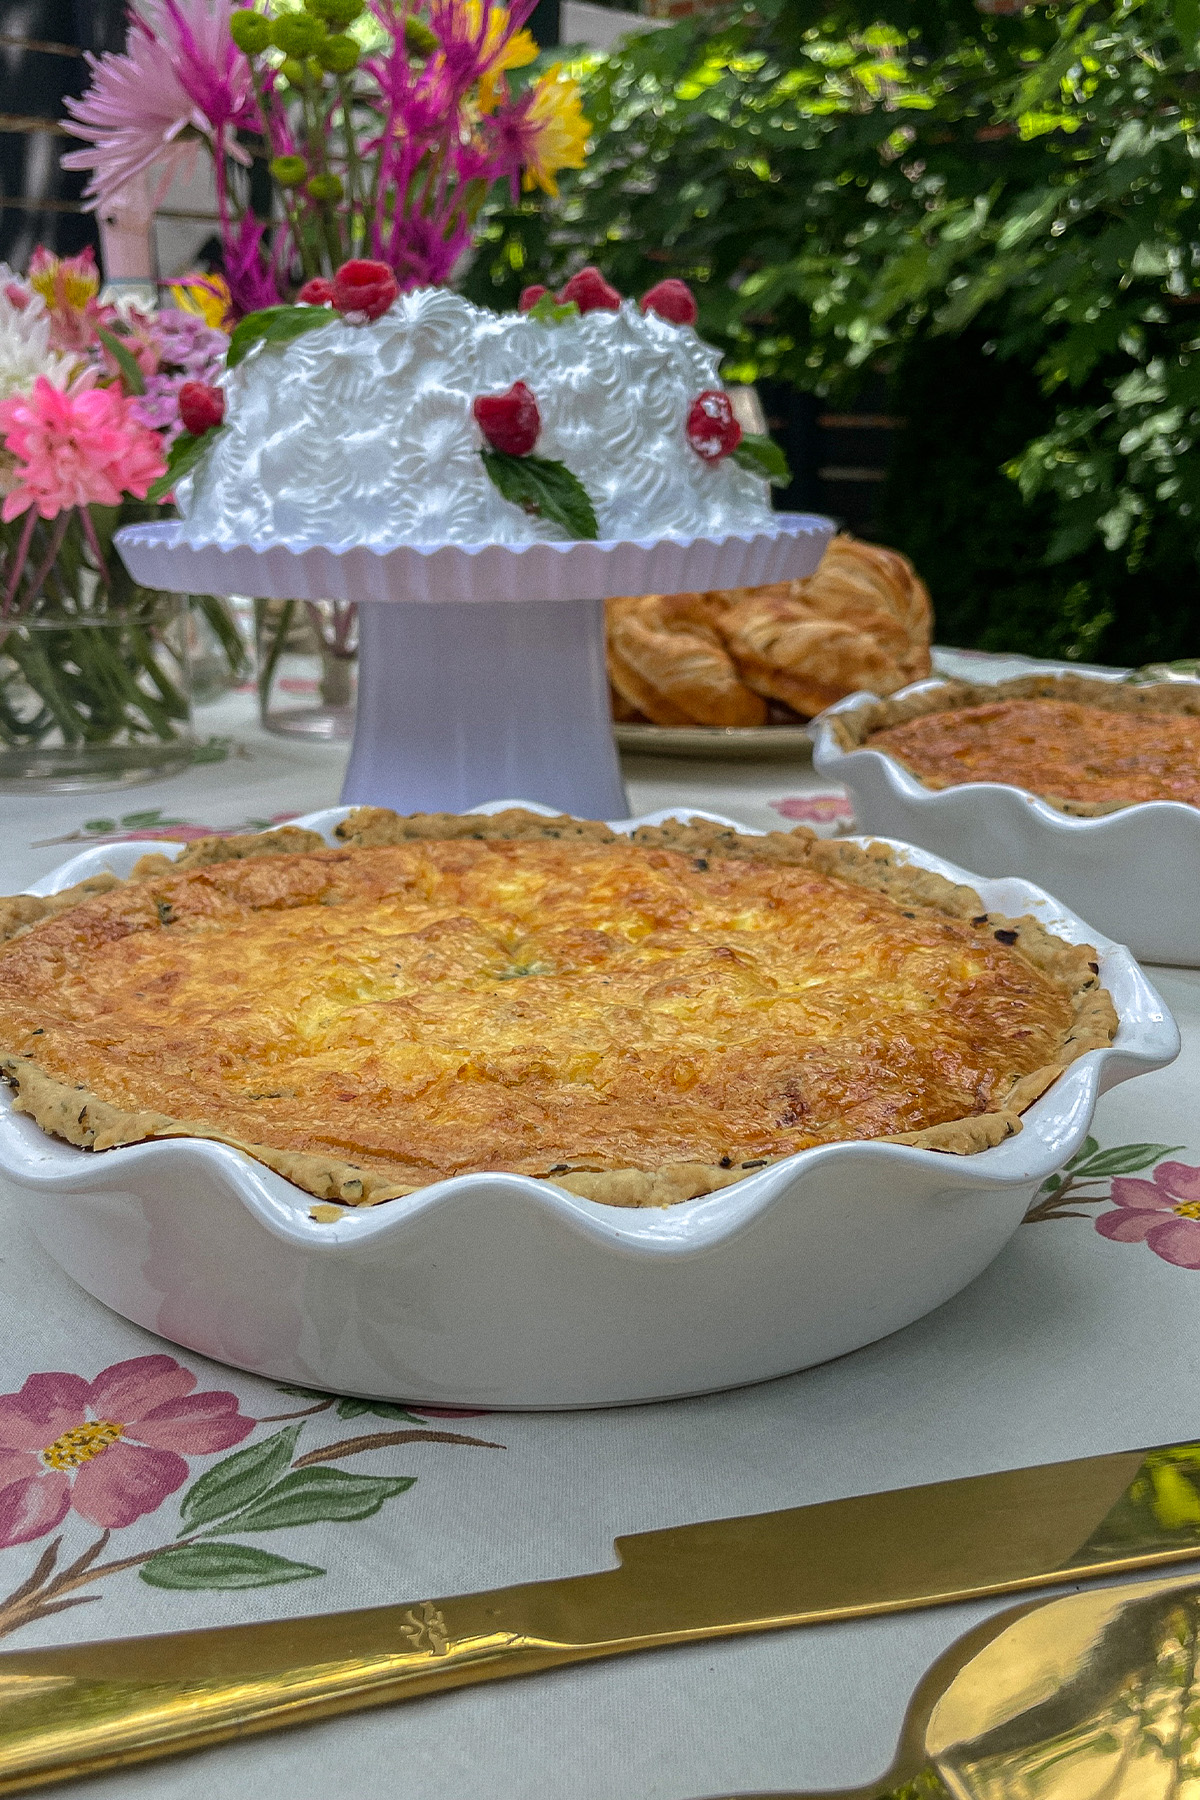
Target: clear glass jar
<point x="307" y="667"/>
<point x="95" y="696"/>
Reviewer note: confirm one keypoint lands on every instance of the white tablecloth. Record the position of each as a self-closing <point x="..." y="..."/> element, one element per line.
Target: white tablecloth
<point x="1071" y="1343"/>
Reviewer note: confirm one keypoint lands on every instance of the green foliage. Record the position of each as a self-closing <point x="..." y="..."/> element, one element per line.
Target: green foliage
<point x="208" y="1566"/>
<point x="908" y="186"/>
<point x="237" y="1480"/>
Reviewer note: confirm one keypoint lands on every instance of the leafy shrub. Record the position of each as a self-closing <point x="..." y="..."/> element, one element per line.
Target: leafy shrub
<point x="998" y="211"/>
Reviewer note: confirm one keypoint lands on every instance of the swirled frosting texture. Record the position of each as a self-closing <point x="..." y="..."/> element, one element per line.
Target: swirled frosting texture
<point x="364" y="434"/>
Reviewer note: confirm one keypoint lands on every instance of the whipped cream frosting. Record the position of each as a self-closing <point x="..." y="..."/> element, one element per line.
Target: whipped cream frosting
<point x="364" y="434"/>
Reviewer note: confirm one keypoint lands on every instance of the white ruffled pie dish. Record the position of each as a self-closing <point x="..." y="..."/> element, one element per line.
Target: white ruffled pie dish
<point x="499" y="1291"/>
<point x="1135" y="873"/>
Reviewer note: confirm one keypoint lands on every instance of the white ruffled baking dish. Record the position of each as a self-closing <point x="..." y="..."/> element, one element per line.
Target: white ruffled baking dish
<point x="791" y="546"/>
<point x="1135" y="873"/>
<point x="498" y="1291"/>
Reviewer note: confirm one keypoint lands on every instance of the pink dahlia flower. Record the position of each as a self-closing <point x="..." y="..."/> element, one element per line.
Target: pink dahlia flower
<point x="1163" y="1213"/>
<point x="76" y="448"/>
<point x="112" y="1449"/>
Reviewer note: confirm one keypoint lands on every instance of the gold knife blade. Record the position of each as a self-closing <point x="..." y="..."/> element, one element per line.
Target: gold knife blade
<point x="80" y="1709"/>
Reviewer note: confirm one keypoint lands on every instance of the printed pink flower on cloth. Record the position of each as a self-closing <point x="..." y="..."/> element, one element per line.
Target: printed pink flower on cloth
<point x="113" y="1449"/>
<point x="75" y="448"/>
<point x="1163" y="1213"/>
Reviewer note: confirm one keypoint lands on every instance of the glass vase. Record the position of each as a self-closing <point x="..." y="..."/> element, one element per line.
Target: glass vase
<point x="94" y="695"/>
<point x="307" y="667"/>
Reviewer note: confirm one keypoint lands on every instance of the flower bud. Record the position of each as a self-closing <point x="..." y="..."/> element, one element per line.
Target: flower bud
<point x="297" y="34"/>
<point x="419" y="40"/>
<point x="337" y="14"/>
<point x="339" y="54"/>
<point x="327" y="189"/>
<point x="250" y="32"/>
<point x="288" y="171"/>
<point x="293" y="71"/>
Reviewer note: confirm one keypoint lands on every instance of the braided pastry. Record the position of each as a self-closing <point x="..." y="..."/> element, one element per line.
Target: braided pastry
<point x="863" y="620"/>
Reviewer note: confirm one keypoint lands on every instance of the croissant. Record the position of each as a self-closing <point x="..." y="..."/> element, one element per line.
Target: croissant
<point x="788" y="653"/>
<point x="863" y="620"/>
<point x="878" y="591"/>
<point x="666" y="659"/>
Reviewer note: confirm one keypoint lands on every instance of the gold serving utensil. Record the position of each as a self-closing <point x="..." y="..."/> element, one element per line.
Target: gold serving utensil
<point x="80" y="1709"/>
<point x="1092" y="1697"/>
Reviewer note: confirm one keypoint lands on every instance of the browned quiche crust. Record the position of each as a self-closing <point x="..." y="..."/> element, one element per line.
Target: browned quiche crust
<point x="852" y="729"/>
<point x="81" y="1117"/>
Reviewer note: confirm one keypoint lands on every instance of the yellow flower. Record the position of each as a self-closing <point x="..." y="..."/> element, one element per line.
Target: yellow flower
<point x="556" y="132"/>
<point x="519" y="51"/>
<point x="207" y="297"/>
<point x="66" y="284"/>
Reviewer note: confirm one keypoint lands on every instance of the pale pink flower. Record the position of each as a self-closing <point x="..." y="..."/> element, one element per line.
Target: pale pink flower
<point x="180" y="80"/>
<point x="76" y="448"/>
<point x="108" y="1448"/>
<point x="1162" y="1213"/>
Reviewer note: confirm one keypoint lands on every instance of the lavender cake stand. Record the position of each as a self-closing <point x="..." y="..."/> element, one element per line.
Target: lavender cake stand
<point x="481" y="667"/>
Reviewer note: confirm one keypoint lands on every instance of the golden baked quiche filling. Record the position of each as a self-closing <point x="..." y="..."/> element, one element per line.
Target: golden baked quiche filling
<point x="639" y="1020"/>
<point x="1088" y="746"/>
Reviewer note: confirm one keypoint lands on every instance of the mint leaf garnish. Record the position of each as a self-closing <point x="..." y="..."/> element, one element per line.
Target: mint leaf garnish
<point x="551" y="311"/>
<point x="763" y="457"/>
<point x="545" y="488"/>
<point x="182" y="458"/>
<point x="273" y="325"/>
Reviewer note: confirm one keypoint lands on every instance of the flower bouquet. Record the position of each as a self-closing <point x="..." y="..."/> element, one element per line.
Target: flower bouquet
<point x="93" y="668"/>
<point x="384" y="126"/>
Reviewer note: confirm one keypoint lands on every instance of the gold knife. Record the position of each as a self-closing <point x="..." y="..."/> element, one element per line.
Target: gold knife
<point x="81" y="1709"/>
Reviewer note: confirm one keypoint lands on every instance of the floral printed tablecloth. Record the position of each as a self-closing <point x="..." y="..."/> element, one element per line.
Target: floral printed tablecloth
<point x="144" y="1489"/>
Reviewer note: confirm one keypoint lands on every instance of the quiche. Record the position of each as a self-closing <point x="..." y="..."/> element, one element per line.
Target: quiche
<point x="636" y="1019"/>
<point x="1086" y="746"/>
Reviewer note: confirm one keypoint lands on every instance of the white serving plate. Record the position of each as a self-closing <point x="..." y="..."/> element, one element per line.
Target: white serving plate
<point x="717" y="743"/>
<point x="1134" y="873"/>
<point x="498" y="1291"/>
<point x="790" y="546"/>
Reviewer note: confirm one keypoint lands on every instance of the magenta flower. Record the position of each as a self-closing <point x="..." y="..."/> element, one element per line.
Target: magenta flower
<point x="1163" y="1213"/>
<point x="76" y="448"/>
<point x="108" y="1448"/>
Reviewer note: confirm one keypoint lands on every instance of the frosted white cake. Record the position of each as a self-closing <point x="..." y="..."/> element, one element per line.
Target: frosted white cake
<point x="364" y="434"/>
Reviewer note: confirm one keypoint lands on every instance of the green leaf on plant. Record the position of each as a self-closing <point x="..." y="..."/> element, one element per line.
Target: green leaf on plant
<point x="1187" y="21"/>
<point x="182" y="458"/>
<point x="131" y="375"/>
<point x="273" y="325"/>
<point x="318" y="1496"/>
<point x="1088" y="1148"/>
<point x="237" y="1480"/>
<point x="546" y="489"/>
<point x="1124" y="1159"/>
<point x="196" y="1566"/>
<point x="763" y="457"/>
<point x="549" y="311"/>
<point x="378" y="1409"/>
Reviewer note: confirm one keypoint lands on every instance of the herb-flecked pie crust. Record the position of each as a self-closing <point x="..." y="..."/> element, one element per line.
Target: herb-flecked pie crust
<point x="854" y="729"/>
<point x="638" y="1020"/>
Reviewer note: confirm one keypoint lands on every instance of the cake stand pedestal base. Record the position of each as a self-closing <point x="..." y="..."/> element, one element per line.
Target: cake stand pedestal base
<point x="460" y="702"/>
